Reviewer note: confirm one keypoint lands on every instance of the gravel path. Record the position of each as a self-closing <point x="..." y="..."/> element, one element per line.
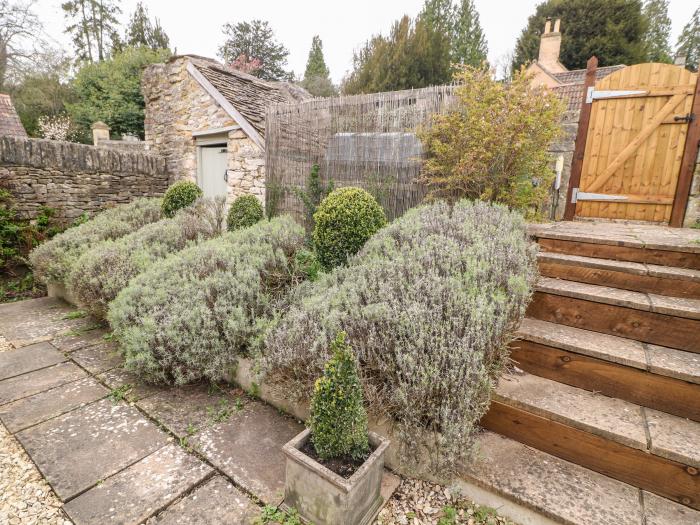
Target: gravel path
<point x="4" y="344"/>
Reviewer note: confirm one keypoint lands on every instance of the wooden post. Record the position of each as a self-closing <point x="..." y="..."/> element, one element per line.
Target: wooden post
<point x="581" y="136"/>
<point x="690" y="155"/>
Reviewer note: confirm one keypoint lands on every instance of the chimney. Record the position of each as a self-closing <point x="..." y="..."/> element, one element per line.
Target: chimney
<point x="550" y="45"/>
<point x="100" y="131"/>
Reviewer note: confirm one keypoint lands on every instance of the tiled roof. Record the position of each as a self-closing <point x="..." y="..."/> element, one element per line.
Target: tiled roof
<point x="578" y="76"/>
<point x="571" y="94"/>
<point x="248" y="94"/>
<point x="9" y="120"/>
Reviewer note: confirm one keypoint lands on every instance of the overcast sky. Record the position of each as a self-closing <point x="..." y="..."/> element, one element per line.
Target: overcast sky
<point x="195" y="27"/>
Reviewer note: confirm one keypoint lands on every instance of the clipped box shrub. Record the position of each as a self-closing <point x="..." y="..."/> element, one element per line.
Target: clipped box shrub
<point x="429" y="304"/>
<point x="104" y="270"/>
<point x="189" y="316"/>
<point x="245" y="211"/>
<point x="54" y="260"/>
<point x="344" y="221"/>
<point x="180" y="195"/>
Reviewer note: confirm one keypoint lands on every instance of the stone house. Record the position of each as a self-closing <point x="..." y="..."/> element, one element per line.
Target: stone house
<point x="208" y="122"/>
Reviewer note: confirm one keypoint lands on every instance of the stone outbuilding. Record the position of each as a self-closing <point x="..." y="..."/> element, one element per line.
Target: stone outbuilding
<point x="208" y="121"/>
<point x="10" y="124"/>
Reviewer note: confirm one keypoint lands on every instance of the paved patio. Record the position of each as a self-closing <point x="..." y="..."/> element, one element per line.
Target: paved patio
<point x="116" y="450"/>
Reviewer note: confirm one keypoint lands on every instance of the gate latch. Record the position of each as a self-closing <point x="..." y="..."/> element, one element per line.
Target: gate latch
<point x="685" y="118"/>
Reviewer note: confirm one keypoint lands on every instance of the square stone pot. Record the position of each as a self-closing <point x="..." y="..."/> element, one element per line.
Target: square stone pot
<point x="323" y="497"/>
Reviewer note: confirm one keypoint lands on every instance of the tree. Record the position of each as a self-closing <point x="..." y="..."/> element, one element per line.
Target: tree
<point x="492" y="144"/>
<point x="440" y="15"/>
<point x="656" y="43"/>
<point x="142" y="32"/>
<point x="20" y="40"/>
<point x="93" y="25"/>
<point x="255" y="40"/>
<point x="612" y="30"/>
<point x="414" y="55"/>
<point x="316" y="77"/>
<point x="468" y="40"/>
<point x="689" y="42"/>
<point x="110" y="91"/>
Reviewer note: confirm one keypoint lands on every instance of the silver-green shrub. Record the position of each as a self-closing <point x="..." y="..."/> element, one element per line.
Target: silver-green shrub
<point x="430" y="304"/>
<point x="53" y="260"/>
<point x="189" y="316"/>
<point x="104" y="270"/>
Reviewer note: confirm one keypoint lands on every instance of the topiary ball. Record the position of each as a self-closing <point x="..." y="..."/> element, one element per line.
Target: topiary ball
<point x="344" y="221"/>
<point x="180" y="195"/>
<point x="245" y="211"/>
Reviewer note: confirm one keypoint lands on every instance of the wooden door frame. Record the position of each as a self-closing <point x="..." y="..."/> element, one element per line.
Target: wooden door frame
<point x="690" y="155"/>
<point x="581" y="137"/>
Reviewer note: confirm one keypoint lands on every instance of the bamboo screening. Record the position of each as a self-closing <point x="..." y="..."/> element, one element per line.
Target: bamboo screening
<point x="367" y="141"/>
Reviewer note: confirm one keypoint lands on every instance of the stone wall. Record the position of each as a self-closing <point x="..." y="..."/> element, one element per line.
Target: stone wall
<point x="75" y="178"/>
<point x="178" y="106"/>
<point x="692" y="212"/>
<point x="564" y="146"/>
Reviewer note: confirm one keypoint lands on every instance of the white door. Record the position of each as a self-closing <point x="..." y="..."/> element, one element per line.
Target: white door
<point x="213" y="170"/>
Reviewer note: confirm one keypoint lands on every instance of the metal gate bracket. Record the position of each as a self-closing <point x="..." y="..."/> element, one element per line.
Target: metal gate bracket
<point x="583" y="196"/>
<point x="593" y="94"/>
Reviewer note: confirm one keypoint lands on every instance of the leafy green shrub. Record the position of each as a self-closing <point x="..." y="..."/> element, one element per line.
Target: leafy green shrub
<point x="180" y="195"/>
<point x="53" y="260"/>
<point x="343" y="222"/>
<point x="430" y="304"/>
<point x="312" y="195"/>
<point x="492" y="144"/>
<point x="104" y="270"/>
<point x="245" y="211"/>
<point x="338" y="420"/>
<point x="189" y="316"/>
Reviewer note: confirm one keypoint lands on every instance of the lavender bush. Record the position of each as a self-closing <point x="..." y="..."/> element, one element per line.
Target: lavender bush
<point x="430" y="304"/>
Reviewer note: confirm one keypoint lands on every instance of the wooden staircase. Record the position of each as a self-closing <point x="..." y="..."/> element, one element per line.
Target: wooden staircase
<point x="607" y="378"/>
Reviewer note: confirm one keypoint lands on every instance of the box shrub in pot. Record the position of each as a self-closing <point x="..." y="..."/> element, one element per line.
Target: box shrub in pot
<point x="335" y="467"/>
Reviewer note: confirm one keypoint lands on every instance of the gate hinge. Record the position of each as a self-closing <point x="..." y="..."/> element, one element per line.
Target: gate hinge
<point x="574" y="195"/>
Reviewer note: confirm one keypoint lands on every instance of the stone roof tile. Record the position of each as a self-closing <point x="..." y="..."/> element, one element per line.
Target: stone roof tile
<point x="10" y="123"/>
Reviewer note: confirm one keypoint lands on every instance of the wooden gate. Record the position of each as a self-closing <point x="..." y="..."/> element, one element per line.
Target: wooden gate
<point x="638" y="120"/>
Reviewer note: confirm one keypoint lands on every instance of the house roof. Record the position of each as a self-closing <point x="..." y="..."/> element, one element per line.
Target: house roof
<point x="10" y="123"/>
<point x="578" y="76"/>
<point x="248" y="94"/>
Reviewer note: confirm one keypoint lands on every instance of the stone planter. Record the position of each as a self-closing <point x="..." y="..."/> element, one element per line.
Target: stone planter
<point x="325" y="498"/>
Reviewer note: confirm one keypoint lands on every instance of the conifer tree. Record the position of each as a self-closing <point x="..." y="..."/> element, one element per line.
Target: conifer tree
<point x="656" y="41"/>
<point x="142" y="32"/>
<point x="255" y="41"/>
<point x="93" y="26"/>
<point x="468" y="40"/>
<point x="689" y="42"/>
<point x="316" y="77"/>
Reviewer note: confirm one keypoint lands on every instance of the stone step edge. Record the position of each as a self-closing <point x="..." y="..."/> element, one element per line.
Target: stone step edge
<point x="635" y="268"/>
<point x="560" y="416"/>
<point x="632" y="243"/>
<point x="652" y="303"/>
<point x="521" y="508"/>
<point x="523" y="333"/>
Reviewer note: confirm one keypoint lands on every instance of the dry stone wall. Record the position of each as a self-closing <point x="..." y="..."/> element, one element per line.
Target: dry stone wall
<point x="76" y="178"/>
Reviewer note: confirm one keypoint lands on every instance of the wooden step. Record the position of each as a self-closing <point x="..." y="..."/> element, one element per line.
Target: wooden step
<point x="679" y="247"/>
<point x="563" y="491"/>
<point x="645" y="448"/>
<point x="639" y="277"/>
<point x="666" y="321"/>
<point x="653" y="376"/>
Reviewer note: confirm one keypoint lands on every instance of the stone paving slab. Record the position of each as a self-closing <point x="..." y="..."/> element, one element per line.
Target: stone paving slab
<point x="563" y="491"/>
<point x="248" y="449"/>
<point x="660" y="511"/>
<point x="31" y="410"/>
<point x="608" y="417"/>
<point x="678" y="306"/>
<point x="189" y="409"/>
<point x="98" y="358"/>
<point x="34" y="382"/>
<point x="674" y="438"/>
<point x="77" y="450"/>
<point x="29" y="358"/>
<point x="674" y="363"/>
<point x="36" y="320"/>
<point x="138" y="389"/>
<point x="593" y="292"/>
<point x="138" y="492"/>
<point x="217" y="502"/>
<point x="75" y="341"/>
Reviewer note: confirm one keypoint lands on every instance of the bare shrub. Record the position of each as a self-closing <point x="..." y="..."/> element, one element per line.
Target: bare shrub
<point x="53" y="260"/>
<point x="104" y="270"/>
<point x="429" y="305"/>
<point x="189" y="316"/>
